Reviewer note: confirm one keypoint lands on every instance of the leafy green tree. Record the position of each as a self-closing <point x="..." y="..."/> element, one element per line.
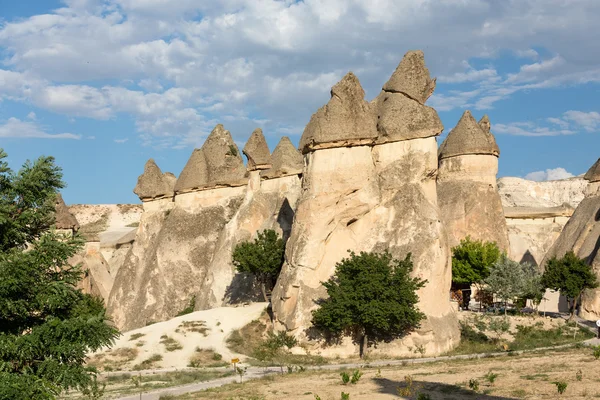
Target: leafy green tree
<point x="532" y="287"/>
<point x="372" y="298"/>
<point x="471" y="261"/>
<point x="570" y="275"/>
<point x="46" y="325"/>
<point x="262" y="258"/>
<point x="505" y="279"/>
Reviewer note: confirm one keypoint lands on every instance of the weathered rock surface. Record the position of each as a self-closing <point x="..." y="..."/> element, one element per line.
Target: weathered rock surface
<point x="466" y="184"/>
<point x="63" y="218"/>
<point x="194" y="174"/>
<point x="257" y="151"/>
<point x="412" y="78"/>
<point x="582" y="236"/>
<point x="346" y="120"/>
<point x="519" y="192"/>
<point x="152" y="183"/>
<point x="286" y="160"/>
<point x="593" y="174"/>
<point x="223" y="159"/>
<point x="368" y="198"/>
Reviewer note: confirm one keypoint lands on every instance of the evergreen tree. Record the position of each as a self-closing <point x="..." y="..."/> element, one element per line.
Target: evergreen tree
<point x="372" y="298"/>
<point x="570" y="275"/>
<point x="262" y="258"/>
<point x="46" y="325"/>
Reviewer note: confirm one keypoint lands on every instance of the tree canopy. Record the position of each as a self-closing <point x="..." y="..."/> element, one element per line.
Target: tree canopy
<point x="47" y="325"/>
<point x="372" y="298"/>
<point x="570" y="275"/>
<point x="472" y="259"/>
<point x="262" y="258"/>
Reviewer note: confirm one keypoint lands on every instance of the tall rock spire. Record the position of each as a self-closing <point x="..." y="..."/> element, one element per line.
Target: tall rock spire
<point x="152" y="183"/>
<point x="223" y="159"/>
<point x="286" y="160"/>
<point x="194" y="174"/>
<point x="468" y="137"/>
<point x="593" y="174"/>
<point x="411" y="78"/>
<point x="63" y="217"/>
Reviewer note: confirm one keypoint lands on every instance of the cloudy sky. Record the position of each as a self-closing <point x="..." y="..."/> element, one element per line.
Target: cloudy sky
<point x="105" y="85"/>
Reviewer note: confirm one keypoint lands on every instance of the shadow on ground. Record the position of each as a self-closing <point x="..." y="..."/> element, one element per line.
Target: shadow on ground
<point x="435" y="390"/>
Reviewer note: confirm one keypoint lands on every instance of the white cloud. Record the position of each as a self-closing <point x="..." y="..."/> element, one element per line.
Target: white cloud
<point x="15" y="128"/>
<point x="204" y="60"/>
<point x="121" y="140"/>
<point x="31" y="116"/>
<point x="549" y="175"/>
<point x="590" y="121"/>
<point x="529" y="129"/>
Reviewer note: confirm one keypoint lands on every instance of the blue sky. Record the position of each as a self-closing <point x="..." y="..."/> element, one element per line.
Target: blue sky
<point x="103" y="85"/>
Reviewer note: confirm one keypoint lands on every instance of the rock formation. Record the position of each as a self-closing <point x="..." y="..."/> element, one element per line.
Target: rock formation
<point x="63" y="219"/>
<point x="536" y="213"/>
<point x="286" y="160"/>
<point x="182" y="250"/>
<point x="257" y="151"/>
<point x="370" y="186"/>
<point x="153" y="183"/>
<point x="466" y="183"/>
<point x="582" y="236"/>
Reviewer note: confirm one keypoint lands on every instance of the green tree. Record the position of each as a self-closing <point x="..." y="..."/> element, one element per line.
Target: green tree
<point x="372" y="298"/>
<point x="471" y="261"/>
<point x="262" y="258"/>
<point x="505" y="279"/>
<point x="570" y="275"/>
<point x="46" y="325"/>
<point x="532" y="287"/>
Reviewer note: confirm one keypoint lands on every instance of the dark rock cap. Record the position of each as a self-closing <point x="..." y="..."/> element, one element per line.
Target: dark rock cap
<point x="345" y="120"/>
<point x="412" y="78"/>
<point x="286" y="160"/>
<point x="257" y="151"/>
<point x="468" y="137"/>
<point x="63" y="217"/>
<point x="223" y="159"/>
<point x="194" y="174"/>
<point x="151" y="183"/>
<point x="593" y="174"/>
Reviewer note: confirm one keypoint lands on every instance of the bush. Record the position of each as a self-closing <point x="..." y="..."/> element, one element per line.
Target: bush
<point x="356" y="377"/>
<point x="561" y="386"/>
<point x="474" y="384"/>
<point x="345" y="378"/>
<point x="597" y="352"/>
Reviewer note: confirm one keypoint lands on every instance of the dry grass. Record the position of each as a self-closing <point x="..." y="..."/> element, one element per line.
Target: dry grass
<point x="193" y="326"/>
<point x="170" y="343"/>
<point x="527" y="376"/>
<point x="247" y="339"/>
<point x="148" y="363"/>
<point x="113" y="360"/>
<point x="207" y="358"/>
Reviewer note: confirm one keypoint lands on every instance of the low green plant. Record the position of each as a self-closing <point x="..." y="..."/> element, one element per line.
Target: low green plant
<point x="136" y="336"/>
<point x="170" y="343"/>
<point x="579" y="375"/>
<point x="561" y="386"/>
<point x="345" y="377"/>
<point x="345" y="396"/>
<point x="317" y="397"/>
<point x="217" y="357"/>
<point x="241" y="372"/>
<point x="355" y="377"/>
<point x="499" y="325"/>
<point x="423" y="396"/>
<point x="408" y="388"/>
<point x="189" y="308"/>
<point x="474" y="384"/>
<point x="491" y="377"/>
<point x="597" y="352"/>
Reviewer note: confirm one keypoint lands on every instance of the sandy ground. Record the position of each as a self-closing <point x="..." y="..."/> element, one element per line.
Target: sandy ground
<point x="529" y="376"/>
<point x="214" y="325"/>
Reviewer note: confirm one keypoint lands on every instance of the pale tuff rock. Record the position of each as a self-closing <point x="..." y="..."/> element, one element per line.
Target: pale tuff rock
<point x="171" y="181"/>
<point x="194" y="174"/>
<point x="286" y="160"/>
<point x="519" y="192"/>
<point x="152" y="183"/>
<point x="63" y="217"/>
<point x="257" y="151"/>
<point x="466" y="184"/>
<point x="593" y="174"/>
<point x="468" y="137"/>
<point x="223" y="159"/>
<point x="582" y="236"/>
<point x="370" y="197"/>
<point x="347" y="119"/>
<point x="411" y="78"/>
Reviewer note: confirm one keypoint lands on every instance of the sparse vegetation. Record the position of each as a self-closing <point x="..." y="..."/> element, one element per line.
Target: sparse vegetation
<point x="189" y="308"/>
<point x="170" y="343"/>
<point x="206" y="358"/>
<point x="136" y="336"/>
<point x="561" y="386"/>
<point x="148" y="363"/>
<point x="195" y="326"/>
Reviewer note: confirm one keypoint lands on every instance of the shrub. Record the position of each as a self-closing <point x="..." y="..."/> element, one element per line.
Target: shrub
<point x="189" y="309"/>
<point x="561" y="386"/>
<point x="345" y="378"/>
<point x="579" y="375"/>
<point x="474" y="384"/>
<point x="597" y="352"/>
<point x="491" y="377"/>
<point x="136" y="336"/>
<point x="345" y="396"/>
<point x="356" y="377"/>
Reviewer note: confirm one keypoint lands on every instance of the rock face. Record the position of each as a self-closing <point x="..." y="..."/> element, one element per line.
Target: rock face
<point x="286" y="160"/>
<point x="182" y="250"/>
<point x="582" y="236"/>
<point x="346" y="120"/>
<point x="466" y="183"/>
<point x="536" y="213"/>
<point x="64" y="220"/>
<point x="364" y="196"/>
<point x="152" y="183"/>
<point x="257" y="151"/>
<point x="519" y="192"/>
